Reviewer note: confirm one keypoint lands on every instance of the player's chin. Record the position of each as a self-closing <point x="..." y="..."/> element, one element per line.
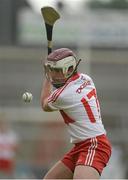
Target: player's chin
<point x="58" y="84"/>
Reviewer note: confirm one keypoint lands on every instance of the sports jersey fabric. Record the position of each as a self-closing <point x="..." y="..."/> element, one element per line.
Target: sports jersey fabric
<point x="78" y="103"/>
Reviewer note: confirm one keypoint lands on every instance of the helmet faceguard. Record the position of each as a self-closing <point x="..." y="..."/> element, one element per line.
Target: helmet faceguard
<point x="60" y="66"/>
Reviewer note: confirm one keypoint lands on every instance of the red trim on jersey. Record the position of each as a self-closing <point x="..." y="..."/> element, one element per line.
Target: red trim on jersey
<point x="53" y="95"/>
<point x="74" y="77"/>
<point x="66" y="118"/>
<point x="56" y="94"/>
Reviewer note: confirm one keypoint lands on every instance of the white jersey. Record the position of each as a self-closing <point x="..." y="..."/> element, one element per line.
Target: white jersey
<point x="78" y="103"/>
<point x="8" y="141"/>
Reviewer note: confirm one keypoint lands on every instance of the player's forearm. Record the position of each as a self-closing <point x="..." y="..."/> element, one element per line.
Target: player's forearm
<point x="45" y="93"/>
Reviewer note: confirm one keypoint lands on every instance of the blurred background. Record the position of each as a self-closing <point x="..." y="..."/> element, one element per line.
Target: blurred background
<point x="31" y="140"/>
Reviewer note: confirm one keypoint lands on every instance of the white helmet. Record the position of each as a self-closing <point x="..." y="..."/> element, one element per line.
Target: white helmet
<point x="63" y="60"/>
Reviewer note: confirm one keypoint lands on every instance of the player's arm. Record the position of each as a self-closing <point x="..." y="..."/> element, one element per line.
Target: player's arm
<point x="45" y="93"/>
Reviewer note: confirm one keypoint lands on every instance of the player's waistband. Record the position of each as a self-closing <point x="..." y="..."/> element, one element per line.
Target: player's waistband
<point x="102" y="137"/>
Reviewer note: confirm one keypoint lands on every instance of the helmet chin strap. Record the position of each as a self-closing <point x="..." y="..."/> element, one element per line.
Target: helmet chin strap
<point x="77" y="65"/>
<point x="58" y="85"/>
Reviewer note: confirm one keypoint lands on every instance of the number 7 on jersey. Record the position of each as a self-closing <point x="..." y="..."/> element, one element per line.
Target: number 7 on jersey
<point x="87" y="106"/>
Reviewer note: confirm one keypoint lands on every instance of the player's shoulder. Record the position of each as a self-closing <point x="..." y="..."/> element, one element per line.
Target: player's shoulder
<point x="83" y="78"/>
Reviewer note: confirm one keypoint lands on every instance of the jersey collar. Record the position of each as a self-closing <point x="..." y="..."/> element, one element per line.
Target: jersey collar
<point x="74" y="77"/>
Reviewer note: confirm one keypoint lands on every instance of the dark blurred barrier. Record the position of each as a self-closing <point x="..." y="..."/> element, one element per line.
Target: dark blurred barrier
<point x="8" y="20"/>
